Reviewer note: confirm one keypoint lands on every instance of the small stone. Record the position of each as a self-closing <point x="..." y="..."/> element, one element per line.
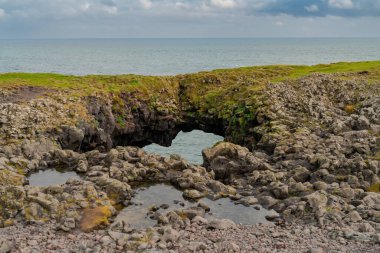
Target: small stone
<point x="366" y="228"/>
<point x="161" y="246"/>
<point x="235" y="247"/>
<point x="272" y="215"/>
<point x="249" y="201"/>
<point x="200" y="220"/>
<point x="221" y="224"/>
<point x="317" y="250"/>
<point x="354" y="216"/>
<point x="164" y="206"/>
<point x="204" y="206"/>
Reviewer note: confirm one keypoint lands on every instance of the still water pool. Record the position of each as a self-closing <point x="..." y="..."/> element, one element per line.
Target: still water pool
<point x="50" y="177"/>
<point x="136" y="214"/>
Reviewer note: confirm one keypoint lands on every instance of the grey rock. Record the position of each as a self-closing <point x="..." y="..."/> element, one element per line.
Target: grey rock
<point x="5" y="246"/>
<point x="221" y="224"/>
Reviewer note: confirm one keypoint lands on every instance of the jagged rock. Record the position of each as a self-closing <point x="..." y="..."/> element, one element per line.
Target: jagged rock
<point x="193" y="194"/>
<point x="301" y="174"/>
<point x="170" y="235"/>
<point x="71" y="137"/>
<point x="268" y="201"/>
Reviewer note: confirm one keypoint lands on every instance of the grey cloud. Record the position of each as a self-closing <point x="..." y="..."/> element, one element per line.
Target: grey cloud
<point x="172" y="18"/>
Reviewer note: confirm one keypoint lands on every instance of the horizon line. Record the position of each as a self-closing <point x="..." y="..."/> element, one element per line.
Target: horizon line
<point x="258" y="37"/>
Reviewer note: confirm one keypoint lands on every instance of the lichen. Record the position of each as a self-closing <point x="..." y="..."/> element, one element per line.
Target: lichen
<point x="374" y="187"/>
<point x="93" y="218"/>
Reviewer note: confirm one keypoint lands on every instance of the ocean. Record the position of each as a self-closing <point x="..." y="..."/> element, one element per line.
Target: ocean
<point x="176" y="56"/>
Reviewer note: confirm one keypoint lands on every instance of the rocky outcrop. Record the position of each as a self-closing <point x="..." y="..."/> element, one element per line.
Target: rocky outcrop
<point x="315" y="159"/>
<point x="310" y="151"/>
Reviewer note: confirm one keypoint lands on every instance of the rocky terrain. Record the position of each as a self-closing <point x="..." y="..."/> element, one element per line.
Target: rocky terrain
<point x="307" y="147"/>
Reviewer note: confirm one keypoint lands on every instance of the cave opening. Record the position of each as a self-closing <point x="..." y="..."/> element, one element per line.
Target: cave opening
<point x="188" y="145"/>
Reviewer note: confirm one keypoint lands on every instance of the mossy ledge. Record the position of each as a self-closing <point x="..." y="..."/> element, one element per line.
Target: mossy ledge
<point x="138" y="110"/>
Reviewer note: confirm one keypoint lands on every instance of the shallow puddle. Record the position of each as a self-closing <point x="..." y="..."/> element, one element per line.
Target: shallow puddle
<point x="162" y="194"/>
<point x="188" y="145"/>
<point x="50" y="177"/>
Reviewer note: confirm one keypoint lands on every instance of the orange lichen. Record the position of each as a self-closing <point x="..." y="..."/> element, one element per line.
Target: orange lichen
<point x="93" y="218"/>
<point x="349" y="109"/>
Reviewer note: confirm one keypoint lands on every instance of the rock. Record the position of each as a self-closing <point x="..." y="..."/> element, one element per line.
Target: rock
<point x="235" y="247"/>
<point x="82" y="166"/>
<point x="366" y="228"/>
<point x="204" y="206"/>
<point x="68" y="224"/>
<point x="281" y="191"/>
<point x="199" y="220"/>
<point x="272" y="215"/>
<point x="376" y="238"/>
<point x="362" y="123"/>
<point x="354" y="216"/>
<point x="5" y="246"/>
<point x="318" y="201"/>
<point x="170" y="235"/>
<point x="317" y="250"/>
<point x="192" y="212"/>
<point x="106" y="240"/>
<point x="301" y="174"/>
<point x="193" y="194"/>
<point x="248" y="201"/>
<point x="71" y="137"/>
<point x="221" y="224"/>
<point x="268" y="201"/>
<point x="320" y="185"/>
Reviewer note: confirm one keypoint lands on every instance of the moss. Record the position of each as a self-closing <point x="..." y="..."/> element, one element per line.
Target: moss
<point x="93" y="218"/>
<point x="11" y="178"/>
<point x="20" y="167"/>
<point x="374" y="187"/>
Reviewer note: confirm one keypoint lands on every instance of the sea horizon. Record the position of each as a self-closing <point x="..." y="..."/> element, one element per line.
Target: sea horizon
<point x="172" y="56"/>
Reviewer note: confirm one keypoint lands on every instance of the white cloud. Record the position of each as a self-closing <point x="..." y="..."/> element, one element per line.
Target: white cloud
<point x="341" y="4"/>
<point x="85" y="6"/>
<point x="223" y="3"/>
<point x="146" y="4"/>
<point x="312" y="8"/>
<point x="279" y="23"/>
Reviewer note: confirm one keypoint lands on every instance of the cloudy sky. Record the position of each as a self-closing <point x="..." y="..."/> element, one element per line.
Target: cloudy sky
<point x="188" y="18"/>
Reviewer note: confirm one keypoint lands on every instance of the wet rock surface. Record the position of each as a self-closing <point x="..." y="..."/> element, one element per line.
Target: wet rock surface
<point x="313" y="158"/>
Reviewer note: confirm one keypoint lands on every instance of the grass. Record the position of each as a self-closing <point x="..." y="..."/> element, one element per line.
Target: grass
<point x="254" y="76"/>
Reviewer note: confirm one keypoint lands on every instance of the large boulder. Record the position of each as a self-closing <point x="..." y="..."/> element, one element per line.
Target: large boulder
<point x="228" y="160"/>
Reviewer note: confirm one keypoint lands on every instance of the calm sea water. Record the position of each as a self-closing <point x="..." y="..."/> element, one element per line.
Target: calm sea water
<point x="188" y="145"/>
<point x="174" y="56"/>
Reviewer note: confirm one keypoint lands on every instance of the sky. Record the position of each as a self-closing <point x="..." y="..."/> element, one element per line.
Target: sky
<point x="188" y="18"/>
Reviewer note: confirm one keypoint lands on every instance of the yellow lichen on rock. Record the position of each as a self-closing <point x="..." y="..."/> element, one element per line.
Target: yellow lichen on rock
<point x="374" y="187"/>
<point x="93" y="218"/>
